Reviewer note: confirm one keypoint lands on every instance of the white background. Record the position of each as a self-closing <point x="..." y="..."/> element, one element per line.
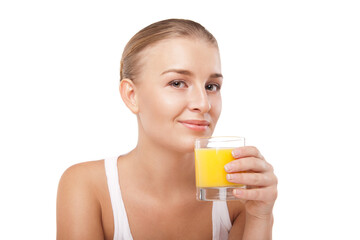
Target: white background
<point x="291" y="70"/>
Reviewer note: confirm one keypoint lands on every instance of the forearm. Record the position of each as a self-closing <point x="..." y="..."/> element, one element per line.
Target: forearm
<point x="258" y="228"/>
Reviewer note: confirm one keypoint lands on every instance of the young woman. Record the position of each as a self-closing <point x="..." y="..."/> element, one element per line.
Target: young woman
<point x="171" y="80"/>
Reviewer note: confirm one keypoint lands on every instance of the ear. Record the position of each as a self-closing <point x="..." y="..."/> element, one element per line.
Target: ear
<point x="129" y="95"/>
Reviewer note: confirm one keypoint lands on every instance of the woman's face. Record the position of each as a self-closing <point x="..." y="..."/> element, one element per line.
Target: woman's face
<point x="178" y="92"/>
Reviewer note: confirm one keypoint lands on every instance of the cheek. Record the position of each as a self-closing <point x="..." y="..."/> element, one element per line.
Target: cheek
<point x="216" y="105"/>
<point x="172" y="103"/>
<point x="159" y="106"/>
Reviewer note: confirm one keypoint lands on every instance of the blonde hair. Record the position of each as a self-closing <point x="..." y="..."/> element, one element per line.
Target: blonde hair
<point x="165" y="29"/>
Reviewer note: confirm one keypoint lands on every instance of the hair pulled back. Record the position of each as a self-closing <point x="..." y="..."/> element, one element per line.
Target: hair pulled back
<point x="165" y="29"/>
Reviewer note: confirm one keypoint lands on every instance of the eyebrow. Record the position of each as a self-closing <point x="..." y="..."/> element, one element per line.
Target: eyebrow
<point x="188" y="73"/>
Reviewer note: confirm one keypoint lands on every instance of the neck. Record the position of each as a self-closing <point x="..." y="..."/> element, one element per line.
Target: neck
<point x="161" y="170"/>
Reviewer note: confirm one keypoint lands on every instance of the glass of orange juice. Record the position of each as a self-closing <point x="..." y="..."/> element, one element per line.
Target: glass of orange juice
<point x="211" y="155"/>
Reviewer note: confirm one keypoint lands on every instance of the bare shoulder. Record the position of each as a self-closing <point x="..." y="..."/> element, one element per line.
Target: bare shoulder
<point x="85" y="172"/>
<point x="78" y="201"/>
<point x="86" y="176"/>
<point x="85" y="167"/>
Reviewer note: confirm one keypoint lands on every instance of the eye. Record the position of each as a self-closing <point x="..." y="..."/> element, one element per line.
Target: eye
<point x="177" y="84"/>
<point x="213" y="87"/>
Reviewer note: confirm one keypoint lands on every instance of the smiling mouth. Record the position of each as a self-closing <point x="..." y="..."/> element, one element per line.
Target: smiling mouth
<point x="196" y="125"/>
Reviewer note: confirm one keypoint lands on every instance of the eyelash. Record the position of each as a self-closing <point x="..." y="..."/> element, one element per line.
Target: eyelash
<point x="172" y="83"/>
<point x="218" y="87"/>
<point x="176" y="84"/>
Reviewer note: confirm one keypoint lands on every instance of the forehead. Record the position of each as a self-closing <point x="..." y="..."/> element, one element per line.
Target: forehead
<point x="195" y="55"/>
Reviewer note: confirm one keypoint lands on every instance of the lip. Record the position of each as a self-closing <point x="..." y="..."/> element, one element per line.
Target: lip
<point x="197" y="125"/>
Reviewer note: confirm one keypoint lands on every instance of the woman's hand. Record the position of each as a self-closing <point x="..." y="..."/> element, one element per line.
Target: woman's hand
<point x="251" y="169"/>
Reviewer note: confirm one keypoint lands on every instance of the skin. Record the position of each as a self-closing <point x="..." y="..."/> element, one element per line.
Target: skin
<point x="180" y="80"/>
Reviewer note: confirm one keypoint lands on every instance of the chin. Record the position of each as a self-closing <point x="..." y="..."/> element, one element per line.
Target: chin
<point x="187" y="143"/>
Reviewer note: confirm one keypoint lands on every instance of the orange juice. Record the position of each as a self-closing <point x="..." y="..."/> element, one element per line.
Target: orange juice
<point x="209" y="167"/>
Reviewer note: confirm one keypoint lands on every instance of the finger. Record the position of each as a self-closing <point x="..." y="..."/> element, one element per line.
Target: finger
<point x="247" y="151"/>
<point x="253" y="179"/>
<point x="248" y="164"/>
<point x="267" y="194"/>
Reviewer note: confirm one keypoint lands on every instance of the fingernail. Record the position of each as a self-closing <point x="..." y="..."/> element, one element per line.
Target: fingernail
<point x="228" y="167"/>
<point x="228" y="176"/>
<point x="236" y="152"/>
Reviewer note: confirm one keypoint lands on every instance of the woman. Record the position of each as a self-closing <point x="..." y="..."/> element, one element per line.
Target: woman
<point x="171" y="80"/>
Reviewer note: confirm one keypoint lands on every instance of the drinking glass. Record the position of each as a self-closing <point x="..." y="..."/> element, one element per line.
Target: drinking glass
<point x="211" y="155"/>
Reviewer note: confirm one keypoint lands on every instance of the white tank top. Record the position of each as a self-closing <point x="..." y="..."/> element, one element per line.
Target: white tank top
<point x="221" y="223"/>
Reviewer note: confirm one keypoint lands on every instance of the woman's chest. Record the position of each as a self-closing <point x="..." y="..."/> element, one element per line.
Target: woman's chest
<point x="192" y="221"/>
<point x="163" y="220"/>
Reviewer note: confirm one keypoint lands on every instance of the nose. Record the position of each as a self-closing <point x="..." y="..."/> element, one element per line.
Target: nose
<point x="199" y="100"/>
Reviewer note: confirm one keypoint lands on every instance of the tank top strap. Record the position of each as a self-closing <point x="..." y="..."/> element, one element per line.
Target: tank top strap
<point x="220" y="220"/>
<point x="121" y="223"/>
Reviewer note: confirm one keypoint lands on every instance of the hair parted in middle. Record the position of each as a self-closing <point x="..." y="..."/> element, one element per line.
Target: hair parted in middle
<point x="165" y="29"/>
